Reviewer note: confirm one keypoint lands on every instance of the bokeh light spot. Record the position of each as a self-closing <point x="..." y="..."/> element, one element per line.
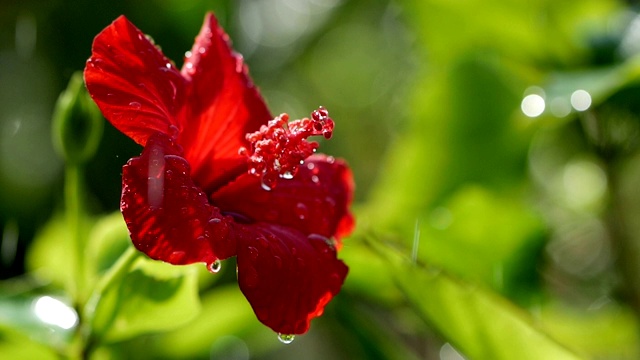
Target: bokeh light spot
<point x="580" y="100"/>
<point x="55" y="312"/>
<point x="533" y="105"/>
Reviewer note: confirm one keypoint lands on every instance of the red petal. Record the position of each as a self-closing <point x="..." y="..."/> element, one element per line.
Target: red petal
<point x="315" y="201"/>
<point x="137" y="88"/>
<point x="287" y="277"/>
<point x="223" y="106"/>
<point x="170" y="218"/>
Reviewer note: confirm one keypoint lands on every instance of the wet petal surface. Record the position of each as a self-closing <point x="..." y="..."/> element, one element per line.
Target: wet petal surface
<point x="288" y="277"/>
<point x="169" y="218"/>
<point x="135" y="86"/>
<point x="223" y="106"/>
<point x="315" y="201"/>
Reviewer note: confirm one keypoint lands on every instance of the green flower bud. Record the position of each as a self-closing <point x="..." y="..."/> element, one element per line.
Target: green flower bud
<point x="77" y="123"/>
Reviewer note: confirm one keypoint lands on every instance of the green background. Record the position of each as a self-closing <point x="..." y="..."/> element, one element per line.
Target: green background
<point x="481" y="232"/>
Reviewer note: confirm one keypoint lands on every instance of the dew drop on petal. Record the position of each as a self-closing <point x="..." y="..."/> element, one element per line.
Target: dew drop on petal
<point x="215" y="266"/>
<point x="287" y="175"/>
<point x="301" y="211"/>
<point x="135" y="105"/>
<point x="286" y="339"/>
<point x="174" y="131"/>
<point x="265" y="186"/>
<point x="278" y="261"/>
<point x="253" y="253"/>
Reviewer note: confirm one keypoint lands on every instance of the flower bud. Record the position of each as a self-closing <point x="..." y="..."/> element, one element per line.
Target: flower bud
<point x="77" y="123"/>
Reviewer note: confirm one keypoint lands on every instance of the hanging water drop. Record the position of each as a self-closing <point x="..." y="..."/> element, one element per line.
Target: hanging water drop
<point x="215" y="266"/>
<point x="265" y="186"/>
<point x="286" y="339"/>
<point x="287" y="175"/>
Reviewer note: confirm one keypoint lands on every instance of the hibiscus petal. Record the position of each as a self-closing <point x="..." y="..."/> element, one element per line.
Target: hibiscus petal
<point x="315" y="201"/>
<point x="287" y="277"/>
<point x="223" y="106"/>
<point x="169" y="218"/>
<point x="137" y="88"/>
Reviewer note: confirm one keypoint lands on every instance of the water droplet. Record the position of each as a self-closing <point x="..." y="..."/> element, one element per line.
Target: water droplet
<point x="287" y="175"/>
<point x="330" y="159"/>
<point x="215" y="221"/>
<point x="253" y="253"/>
<point x="194" y="223"/>
<point x="286" y="339"/>
<point x="239" y="64"/>
<point x="263" y="242"/>
<point x="173" y="131"/>
<point x="301" y="211"/>
<point x="265" y="186"/>
<point x="187" y="54"/>
<point x="315" y="179"/>
<point x="215" y="266"/>
<point x="278" y="261"/>
<point x="311" y="166"/>
<point x="321" y="243"/>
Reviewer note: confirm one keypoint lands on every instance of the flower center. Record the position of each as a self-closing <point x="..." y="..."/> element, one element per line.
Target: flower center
<point x="279" y="147"/>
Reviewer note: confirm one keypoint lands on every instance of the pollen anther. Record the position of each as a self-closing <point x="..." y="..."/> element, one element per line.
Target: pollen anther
<point x="279" y="147"/>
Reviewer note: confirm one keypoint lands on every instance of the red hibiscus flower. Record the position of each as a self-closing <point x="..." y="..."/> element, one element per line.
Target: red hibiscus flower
<point x="219" y="176"/>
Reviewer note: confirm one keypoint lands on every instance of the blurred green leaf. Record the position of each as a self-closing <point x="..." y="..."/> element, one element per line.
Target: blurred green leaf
<point x="48" y="255"/>
<point x="14" y="345"/>
<point x="605" y="330"/>
<point x="44" y="319"/>
<point x="478" y="322"/>
<point x="462" y="131"/>
<point x="154" y="296"/>
<point x="109" y="238"/>
<point x="225" y="312"/>
<point x="483" y="236"/>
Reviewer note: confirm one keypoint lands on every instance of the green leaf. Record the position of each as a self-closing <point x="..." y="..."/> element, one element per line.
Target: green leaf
<point x="604" y="330"/>
<point x="52" y="252"/>
<point x="43" y="319"/>
<point x="225" y="312"/>
<point x="152" y="297"/>
<point x="109" y="239"/>
<point x="483" y="236"/>
<point x="14" y="345"/>
<point x="478" y="322"/>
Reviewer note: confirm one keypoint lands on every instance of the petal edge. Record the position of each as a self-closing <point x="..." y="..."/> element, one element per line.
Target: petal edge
<point x="287" y="277"/>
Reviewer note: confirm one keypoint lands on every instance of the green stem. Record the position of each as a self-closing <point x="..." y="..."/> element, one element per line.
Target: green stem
<point x="115" y="273"/>
<point x="74" y="209"/>
<point x="112" y="278"/>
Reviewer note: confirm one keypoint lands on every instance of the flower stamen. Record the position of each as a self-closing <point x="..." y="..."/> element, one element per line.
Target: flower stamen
<point x="279" y="147"/>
